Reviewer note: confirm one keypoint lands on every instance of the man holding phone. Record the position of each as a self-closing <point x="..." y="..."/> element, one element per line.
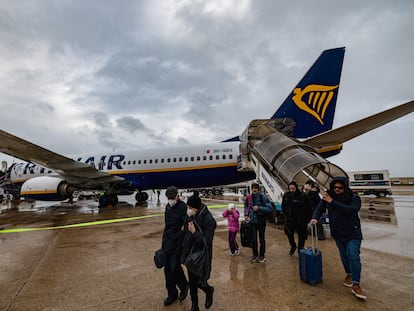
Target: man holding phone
<point x="343" y="206"/>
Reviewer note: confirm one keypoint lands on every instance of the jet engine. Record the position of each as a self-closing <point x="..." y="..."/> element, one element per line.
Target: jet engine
<point x="47" y="188"/>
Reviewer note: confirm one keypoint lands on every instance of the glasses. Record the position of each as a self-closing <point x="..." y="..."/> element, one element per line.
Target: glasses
<point x="340" y="187"/>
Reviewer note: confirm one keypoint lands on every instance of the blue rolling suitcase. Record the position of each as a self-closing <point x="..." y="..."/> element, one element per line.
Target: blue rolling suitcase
<point x="310" y="261"/>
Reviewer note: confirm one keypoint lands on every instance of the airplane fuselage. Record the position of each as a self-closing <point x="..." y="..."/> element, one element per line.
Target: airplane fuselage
<point x="185" y="167"/>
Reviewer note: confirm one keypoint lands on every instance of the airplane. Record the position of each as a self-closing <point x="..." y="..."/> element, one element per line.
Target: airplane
<point x="305" y="117"/>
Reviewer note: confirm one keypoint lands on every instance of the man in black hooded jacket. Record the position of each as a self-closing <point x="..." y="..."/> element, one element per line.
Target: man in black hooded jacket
<point x="172" y="238"/>
<point x="297" y="209"/>
<point x="343" y="206"/>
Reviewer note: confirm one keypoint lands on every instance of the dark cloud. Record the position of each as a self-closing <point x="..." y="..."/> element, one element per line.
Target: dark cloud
<point x="128" y="73"/>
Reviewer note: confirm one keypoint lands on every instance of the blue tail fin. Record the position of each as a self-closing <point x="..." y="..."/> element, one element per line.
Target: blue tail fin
<point x="310" y="108"/>
<point x="311" y="105"/>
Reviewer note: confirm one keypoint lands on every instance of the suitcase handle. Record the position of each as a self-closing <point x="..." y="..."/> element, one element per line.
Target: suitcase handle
<point x="314" y="239"/>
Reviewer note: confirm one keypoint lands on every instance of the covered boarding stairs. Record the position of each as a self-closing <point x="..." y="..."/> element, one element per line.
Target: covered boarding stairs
<point x="278" y="159"/>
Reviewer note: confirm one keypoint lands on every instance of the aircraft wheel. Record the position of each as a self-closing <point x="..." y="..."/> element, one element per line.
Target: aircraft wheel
<point x="141" y="196"/>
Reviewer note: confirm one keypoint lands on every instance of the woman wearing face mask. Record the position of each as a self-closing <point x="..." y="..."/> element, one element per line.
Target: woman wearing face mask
<point x="172" y="238"/>
<point x="200" y="223"/>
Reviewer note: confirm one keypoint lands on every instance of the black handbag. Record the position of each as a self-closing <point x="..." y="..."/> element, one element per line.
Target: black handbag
<point x="159" y="258"/>
<point x="198" y="260"/>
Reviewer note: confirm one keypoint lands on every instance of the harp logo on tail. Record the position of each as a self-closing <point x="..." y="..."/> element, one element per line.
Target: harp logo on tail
<point x="314" y="99"/>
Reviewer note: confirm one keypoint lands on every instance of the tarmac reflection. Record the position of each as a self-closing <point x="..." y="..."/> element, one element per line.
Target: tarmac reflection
<point x="387" y="223"/>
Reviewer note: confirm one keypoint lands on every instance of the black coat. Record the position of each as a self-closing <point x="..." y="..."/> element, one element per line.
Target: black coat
<point x="207" y="224"/>
<point x="314" y="198"/>
<point x="297" y="208"/>
<point x="173" y="234"/>
<point x="343" y="212"/>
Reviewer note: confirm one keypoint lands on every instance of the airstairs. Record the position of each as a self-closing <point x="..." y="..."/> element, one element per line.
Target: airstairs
<point x="277" y="159"/>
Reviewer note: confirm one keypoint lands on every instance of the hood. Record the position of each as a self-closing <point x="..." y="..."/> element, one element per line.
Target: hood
<point x="340" y="179"/>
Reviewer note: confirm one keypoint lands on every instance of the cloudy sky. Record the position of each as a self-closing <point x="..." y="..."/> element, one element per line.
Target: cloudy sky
<point x="82" y="76"/>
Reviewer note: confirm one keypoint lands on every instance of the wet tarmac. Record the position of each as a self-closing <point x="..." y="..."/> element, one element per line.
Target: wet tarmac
<point x="53" y="262"/>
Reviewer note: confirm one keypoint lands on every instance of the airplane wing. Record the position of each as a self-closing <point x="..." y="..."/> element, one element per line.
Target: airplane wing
<point x="73" y="171"/>
<point x="352" y="130"/>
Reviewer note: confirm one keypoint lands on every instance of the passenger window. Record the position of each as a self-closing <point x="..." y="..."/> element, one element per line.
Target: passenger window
<point x="217" y="157"/>
<point x="162" y="160"/>
<point x="211" y="157"/>
<point x="230" y="156"/>
<point x="192" y="158"/>
<point x="204" y="158"/>
<point x="145" y="161"/>
<point x="198" y="158"/>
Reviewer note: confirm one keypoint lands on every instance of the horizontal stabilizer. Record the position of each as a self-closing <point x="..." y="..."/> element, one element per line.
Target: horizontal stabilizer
<point x="352" y="130"/>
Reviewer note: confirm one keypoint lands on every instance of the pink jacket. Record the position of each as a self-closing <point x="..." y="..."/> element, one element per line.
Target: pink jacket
<point x="232" y="219"/>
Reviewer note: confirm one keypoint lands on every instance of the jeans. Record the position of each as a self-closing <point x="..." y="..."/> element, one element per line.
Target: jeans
<point x="349" y="252"/>
<point x="261" y="228"/>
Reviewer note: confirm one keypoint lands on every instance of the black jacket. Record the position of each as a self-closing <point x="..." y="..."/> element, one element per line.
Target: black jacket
<point x="343" y="211"/>
<point x="297" y="208"/>
<point x="173" y="234"/>
<point x="207" y="223"/>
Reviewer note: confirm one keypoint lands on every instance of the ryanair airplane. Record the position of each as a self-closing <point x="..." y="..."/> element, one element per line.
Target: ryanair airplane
<point x="305" y="117"/>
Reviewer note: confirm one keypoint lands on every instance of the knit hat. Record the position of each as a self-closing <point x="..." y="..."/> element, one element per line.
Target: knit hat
<point x="171" y="192"/>
<point x="230" y="206"/>
<point x="194" y="202"/>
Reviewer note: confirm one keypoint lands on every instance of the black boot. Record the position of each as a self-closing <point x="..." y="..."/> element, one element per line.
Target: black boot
<point x="209" y="297"/>
<point x="195" y="308"/>
<point x="183" y="294"/>
<point x="292" y="250"/>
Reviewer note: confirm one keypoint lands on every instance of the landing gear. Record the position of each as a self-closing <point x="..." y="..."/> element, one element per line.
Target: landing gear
<point x="108" y="199"/>
<point x="141" y="196"/>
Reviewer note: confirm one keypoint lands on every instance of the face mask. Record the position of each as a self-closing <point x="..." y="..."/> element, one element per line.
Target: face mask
<point x="191" y="213"/>
<point x="172" y="202"/>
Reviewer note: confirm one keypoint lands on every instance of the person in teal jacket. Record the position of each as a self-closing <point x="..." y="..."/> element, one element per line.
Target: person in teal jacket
<point x="256" y="206"/>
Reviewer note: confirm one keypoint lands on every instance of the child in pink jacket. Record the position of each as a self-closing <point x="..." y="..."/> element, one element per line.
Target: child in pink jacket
<point x="232" y="215"/>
